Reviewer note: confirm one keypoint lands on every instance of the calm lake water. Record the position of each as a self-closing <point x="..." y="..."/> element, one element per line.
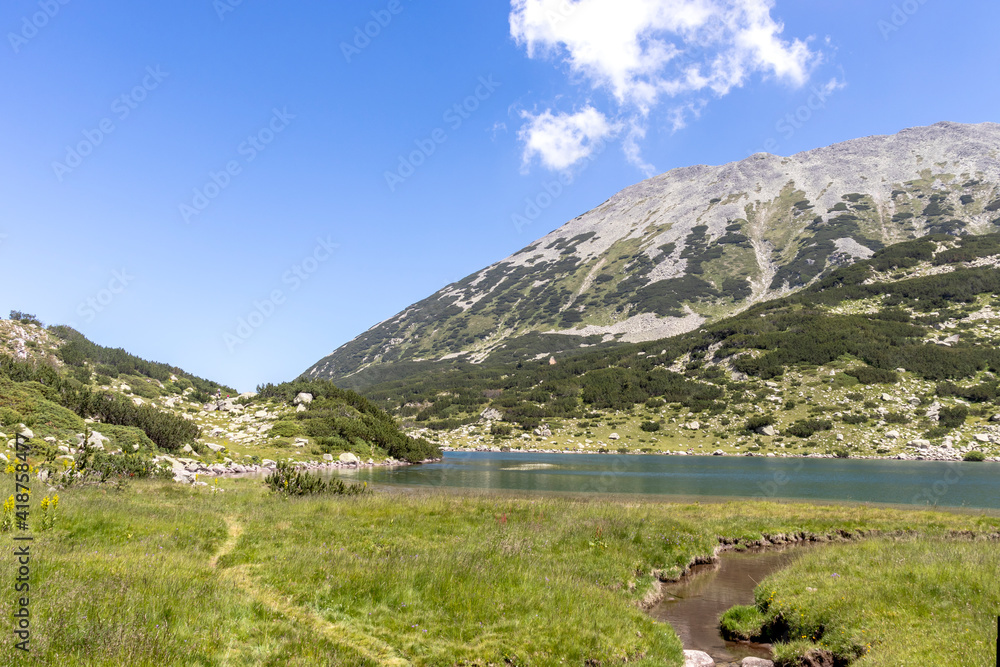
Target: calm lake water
<point x="972" y="485"/>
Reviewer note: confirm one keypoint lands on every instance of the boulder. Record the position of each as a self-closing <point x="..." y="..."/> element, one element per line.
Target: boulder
<point x="25" y="432"/>
<point x="543" y="431"/>
<point x="698" y="659"/>
<point x="490" y="415"/>
<point x="187" y="449"/>
<point x="260" y="413"/>
<point x="768" y="430"/>
<point x="919" y="443"/>
<point x="303" y="398"/>
<point x="718" y="452"/>
<point x="982" y="437"/>
<point x="216" y="448"/>
<point x="328" y="457"/>
<point x="756" y="662"/>
<point x="614" y="436"/>
<point x="995" y="418"/>
<point x="349" y="459"/>
<point x="694" y="426"/>
<point x="887" y="398"/>
<point x="894" y="435"/>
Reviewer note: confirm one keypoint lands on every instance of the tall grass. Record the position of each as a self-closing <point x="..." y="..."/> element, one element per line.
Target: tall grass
<point x="160" y="574"/>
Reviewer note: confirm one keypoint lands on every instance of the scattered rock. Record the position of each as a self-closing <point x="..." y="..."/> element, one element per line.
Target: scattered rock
<point x="756" y="662"/>
<point x="698" y="659"/>
<point x="187" y="449"/>
<point x="303" y="398"/>
<point x="982" y="437"/>
<point x="694" y="426"/>
<point x="490" y="415"/>
<point x="919" y="443"/>
<point x="894" y="435"/>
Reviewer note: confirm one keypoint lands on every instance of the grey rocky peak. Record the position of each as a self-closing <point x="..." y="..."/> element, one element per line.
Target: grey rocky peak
<point x="697" y="244"/>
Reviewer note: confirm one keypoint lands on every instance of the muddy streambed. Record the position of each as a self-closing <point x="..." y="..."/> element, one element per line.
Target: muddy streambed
<point x="694" y="605"/>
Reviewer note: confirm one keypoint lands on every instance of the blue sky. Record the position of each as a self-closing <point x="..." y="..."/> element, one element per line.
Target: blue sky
<point x="238" y="188"/>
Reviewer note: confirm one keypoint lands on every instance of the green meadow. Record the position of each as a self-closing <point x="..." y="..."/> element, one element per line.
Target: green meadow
<point x="157" y="573"/>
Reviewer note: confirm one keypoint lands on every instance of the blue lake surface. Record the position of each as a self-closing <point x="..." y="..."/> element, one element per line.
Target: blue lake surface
<point x="914" y="483"/>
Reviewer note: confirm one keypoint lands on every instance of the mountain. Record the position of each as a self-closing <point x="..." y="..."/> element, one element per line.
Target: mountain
<point x="694" y="245"/>
<point x="894" y="356"/>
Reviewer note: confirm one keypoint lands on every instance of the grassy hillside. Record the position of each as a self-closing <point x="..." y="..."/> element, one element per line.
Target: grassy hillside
<point x="889" y="351"/>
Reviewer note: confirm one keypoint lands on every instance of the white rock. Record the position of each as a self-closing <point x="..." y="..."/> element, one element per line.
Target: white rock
<point x="328" y="457"/>
<point x="300" y="408"/>
<point x="698" y="659"/>
<point x="25" y="432"/>
<point x="894" y="435"/>
<point x="215" y="448"/>
<point x="349" y="458"/>
<point x="303" y="397"/>
<point x="840" y="437"/>
<point x="613" y="436"/>
<point x="756" y="662"/>
<point x="887" y="397"/>
<point x="982" y="437"/>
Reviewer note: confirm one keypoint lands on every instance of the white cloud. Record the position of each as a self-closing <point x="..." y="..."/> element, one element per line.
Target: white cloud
<point x="561" y="140"/>
<point x="642" y="51"/>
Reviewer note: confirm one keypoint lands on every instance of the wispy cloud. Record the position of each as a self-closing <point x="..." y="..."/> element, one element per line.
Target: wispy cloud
<point x="643" y="52"/>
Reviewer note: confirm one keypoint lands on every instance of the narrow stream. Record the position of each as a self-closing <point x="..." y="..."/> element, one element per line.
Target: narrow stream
<point x="693" y="606"/>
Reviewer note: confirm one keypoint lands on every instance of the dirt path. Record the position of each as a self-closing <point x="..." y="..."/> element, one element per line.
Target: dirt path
<point x="342" y="634"/>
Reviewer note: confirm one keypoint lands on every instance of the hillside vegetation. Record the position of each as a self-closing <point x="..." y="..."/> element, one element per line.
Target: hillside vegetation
<point x="890" y="355"/>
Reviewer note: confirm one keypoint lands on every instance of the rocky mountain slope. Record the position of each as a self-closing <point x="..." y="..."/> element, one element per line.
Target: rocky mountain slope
<point x="895" y="356"/>
<point x="697" y="244"/>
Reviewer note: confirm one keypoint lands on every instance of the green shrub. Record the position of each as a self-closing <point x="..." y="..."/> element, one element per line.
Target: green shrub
<point x="896" y="418"/>
<point x="650" y="427"/>
<point x="806" y="428"/>
<point x="286" y="429"/>
<point x="10" y="417"/>
<point x="854" y="419"/>
<point x="975" y="456"/>
<point x="869" y="375"/>
<point x="760" y="421"/>
<point x="953" y="417"/>
<point x="502" y="430"/>
<point x="288" y="481"/>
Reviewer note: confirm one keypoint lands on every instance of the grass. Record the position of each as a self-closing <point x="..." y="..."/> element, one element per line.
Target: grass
<point x="163" y="574"/>
<point x="906" y="601"/>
